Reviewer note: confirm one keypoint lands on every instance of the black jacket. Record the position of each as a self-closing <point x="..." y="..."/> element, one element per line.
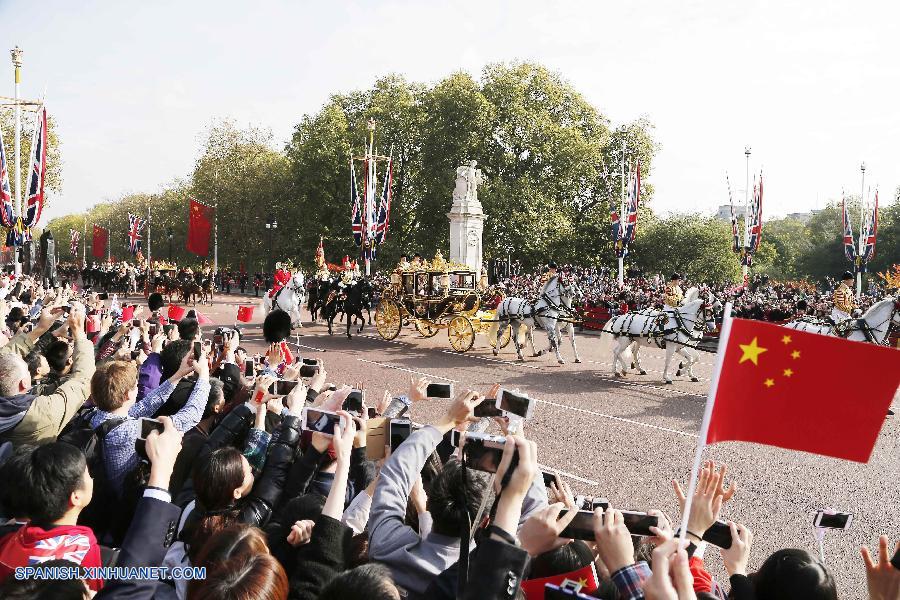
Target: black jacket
<point x="149" y="536"/>
<point x="319" y="561"/>
<point x="495" y="573"/>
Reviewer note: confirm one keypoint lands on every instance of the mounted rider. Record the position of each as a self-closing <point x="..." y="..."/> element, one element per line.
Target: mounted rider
<point x="281" y="279"/>
<point x="350" y="272"/>
<point x="322" y="273"/>
<point x="674" y="295"/>
<point x="843" y="299"/>
<point x="549" y="290"/>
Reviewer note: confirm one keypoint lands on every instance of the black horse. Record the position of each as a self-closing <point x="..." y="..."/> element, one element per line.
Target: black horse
<point x="349" y="301"/>
<point x="317" y="290"/>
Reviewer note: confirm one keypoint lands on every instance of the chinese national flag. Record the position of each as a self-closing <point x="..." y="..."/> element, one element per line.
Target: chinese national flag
<point x="176" y="313"/>
<point x="803" y="391"/>
<point x="101" y="237"/>
<point x="245" y="314"/>
<point x="199" y="228"/>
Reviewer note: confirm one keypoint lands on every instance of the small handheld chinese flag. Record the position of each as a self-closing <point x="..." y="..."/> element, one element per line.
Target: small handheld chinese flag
<point x="127" y="313"/>
<point x="245" y="314"/>
<point x="176" y="313"/>
<point x="802" y="391"/>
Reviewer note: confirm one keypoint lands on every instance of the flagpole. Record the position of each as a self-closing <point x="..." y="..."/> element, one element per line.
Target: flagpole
<point x="744" y="268"/>
<point x="707" y="414"/>
<point x="108" y="242"/>
<point x="622" y="222"/>
<point x="17" y="64"/>
<point x="862" y="216"/>
<point x="370" y="190"/>
<point x="216" y="227"/>
<point x="148" y="237"/>
<point x="84" y="247"/>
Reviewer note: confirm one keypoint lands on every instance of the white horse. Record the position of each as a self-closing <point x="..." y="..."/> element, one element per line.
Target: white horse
<point x="553" y="305"/>
<point x="673" y="329"/>
<point x="289" y="299"/>
<point x="872" y="327"/>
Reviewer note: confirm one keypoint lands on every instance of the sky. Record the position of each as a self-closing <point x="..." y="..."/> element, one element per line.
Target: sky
<point x="811" y="87"/>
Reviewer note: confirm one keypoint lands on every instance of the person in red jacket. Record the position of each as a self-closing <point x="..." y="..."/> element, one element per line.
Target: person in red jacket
<point x="54" y="486"/>
<point x="281" y="279"/>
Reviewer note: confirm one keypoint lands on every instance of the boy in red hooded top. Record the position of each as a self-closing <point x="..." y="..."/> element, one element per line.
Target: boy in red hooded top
<point x="53" y="487"/>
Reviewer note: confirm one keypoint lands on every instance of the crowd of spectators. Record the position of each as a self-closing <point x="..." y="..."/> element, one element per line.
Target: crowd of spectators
<point x="127" y="441"/>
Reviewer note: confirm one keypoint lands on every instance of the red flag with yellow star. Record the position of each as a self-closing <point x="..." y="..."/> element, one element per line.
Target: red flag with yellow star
<point x="802" y="391"/>
<point x="200" y="224"/>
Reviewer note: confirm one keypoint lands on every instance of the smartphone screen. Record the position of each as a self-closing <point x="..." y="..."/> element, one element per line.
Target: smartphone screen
<point x="514" y="403"/>
<point x="154" y="329"/>
<point x="148" y="425"/>
<point x="135" y="322"/>
<point x="321" y="421"/>
<point x="310" y="361"/>
<point x="197" y="351"/>
<point x="308" y="370"/>
<point x="484" y="452"/>
<point x="354" y="402"/>
<point x="719" y="534"/>
<point x="372" y="412"/>
<point x="282" y="387"/>
<point x="439" y="390"/>
<point x="249" y="368"/>
<point x="487" y="408"/>
<point x="639" y="523"/>
<point x="835" y="521"/>
<point x="579" y="528"/>
<point x="548" y="478"/>
<point x="400" y="429"/>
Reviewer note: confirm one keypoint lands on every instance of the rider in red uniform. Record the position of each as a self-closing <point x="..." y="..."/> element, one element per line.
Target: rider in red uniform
<point x="281" y="279"/>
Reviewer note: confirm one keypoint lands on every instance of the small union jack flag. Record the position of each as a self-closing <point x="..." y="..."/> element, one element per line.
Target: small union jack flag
<point x="849" y="244"/>
<point x="135" y="224"/>
<point x="6" y="208"/>
<point x="35" y="198"/>
<point x="75" y="236"/>
<point x="67" y="547"/>
<point x="870" y="233"/>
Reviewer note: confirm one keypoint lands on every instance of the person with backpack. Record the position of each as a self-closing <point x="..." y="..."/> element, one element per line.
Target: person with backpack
<point x="29" y="419"/>
<point x="114" y="391"/>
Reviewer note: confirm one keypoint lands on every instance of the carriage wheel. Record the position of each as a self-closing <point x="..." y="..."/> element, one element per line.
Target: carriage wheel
<point x="462" y="334"/>
<point x="504" y="339"/>
<point x="387" y="319"/>
<point x="426" y="328"/>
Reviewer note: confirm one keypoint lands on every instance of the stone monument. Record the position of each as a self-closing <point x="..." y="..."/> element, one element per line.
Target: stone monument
<point x="466" y="218"/>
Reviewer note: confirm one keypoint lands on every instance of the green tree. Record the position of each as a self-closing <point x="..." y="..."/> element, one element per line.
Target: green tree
<point x="693" y="245"/>
<point x="53" y="176"/>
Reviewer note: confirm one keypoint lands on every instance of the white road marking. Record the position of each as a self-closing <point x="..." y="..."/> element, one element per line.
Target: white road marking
<point x="614" y="418"/>
<point x="569" y="475"/>
<point x="496" y="360"/>
<point x="387" y="366"/>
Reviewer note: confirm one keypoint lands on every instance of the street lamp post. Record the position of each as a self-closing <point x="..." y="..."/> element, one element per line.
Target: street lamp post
<point x="17" y="64"/>
<point x="170" y="235"/>
<point x="271" y="226"/>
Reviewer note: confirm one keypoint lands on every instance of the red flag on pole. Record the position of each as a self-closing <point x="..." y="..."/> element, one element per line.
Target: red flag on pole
<point x="176" y="313"/>
<point x="792" y="389"/>
<point x="245" y="314"/>
<point x="200" y="228"/>
<point x="101" y="238"/>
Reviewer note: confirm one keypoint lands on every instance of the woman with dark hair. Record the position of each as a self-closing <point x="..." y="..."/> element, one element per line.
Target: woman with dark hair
<point x="238" y="566"/>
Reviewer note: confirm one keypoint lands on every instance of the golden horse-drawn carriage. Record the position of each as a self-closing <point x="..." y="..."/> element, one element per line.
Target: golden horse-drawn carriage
<point x="433" y="297"/>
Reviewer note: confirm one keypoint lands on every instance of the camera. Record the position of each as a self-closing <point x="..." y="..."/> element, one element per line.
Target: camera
<point x="483" y="452"/>
<point x="439" y="390"/>
<point x="515" y="403"/>
<point x="321" y="421"/>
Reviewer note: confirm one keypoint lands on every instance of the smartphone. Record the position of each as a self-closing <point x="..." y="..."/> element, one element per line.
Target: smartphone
<point x="154" y="329"/>
<point x="833" y="521"/>
<point x="373" y="414"/>
<point x="454" y="438"/>
<point x="579" y="528"/>
<point x="439" y="390"/>
<point x="515" y="403"/>
<point x="308" y="370"/>
<point x="148" y="425"/>
<point x="168" y="328"/>
<point x="354" y="402"/>
<point x="249" y="368"/>
<point x="487" y="408"/>
<point x="321" y="421"/>
<point x="483" y="452"/>
<point x="639" y="523"/>
<point x="549" y="478"/>
<point x="282" y="387"/>
<point x="398" y="431"/>
<point x="103" y="296"/>
<point x="310" y="361"/>
<point x="197" y="351"/>
<point x="896" y="559"/>
<point x="719" y="534"/>
<point x="219" y="339"/>
<point x="135" y="322"/>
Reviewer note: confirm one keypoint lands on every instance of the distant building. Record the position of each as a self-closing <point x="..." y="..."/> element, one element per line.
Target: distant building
<point x="804" y="217"/>
<point x="724" y="213"/>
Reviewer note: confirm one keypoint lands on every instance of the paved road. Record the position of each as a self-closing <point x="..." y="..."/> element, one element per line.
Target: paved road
<point x="626" y="439"/>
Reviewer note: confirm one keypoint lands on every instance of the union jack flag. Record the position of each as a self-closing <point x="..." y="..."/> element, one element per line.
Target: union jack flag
<point x="75" y="236"/>
<point x="35" y="199"/>
<point x="616" y="225"/>
<point x="735" y="239"/>
<point x="135" y="224"/>
<point x="870" y="233"/>
<point x="631" y="206"/>
<point x="355" y="216"/>
<point x="67" y="547"/>
<point x="6" y="208"/>
<point x="754" y="222"/>
<point x="384" y="207"/>
<point x="849" y="244"/>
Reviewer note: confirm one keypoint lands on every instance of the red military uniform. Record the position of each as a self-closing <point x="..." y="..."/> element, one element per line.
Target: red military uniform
<point x="280" y="280"/>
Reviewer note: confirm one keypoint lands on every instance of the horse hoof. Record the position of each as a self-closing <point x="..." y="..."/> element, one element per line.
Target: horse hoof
<point x="633" y="365"/>
<point x="496" y="352"/>
<point x="521" y="358"/>
<point x="668" y="381"/>
<point x="577" y="360"/>
<point x="643" y="372"/>
<point x="562" y="362"/>
<point x="349" y="337"/>
<point x="680" y="365"/>
<point x="694" y="379"/>
<point x="678" y="373"/>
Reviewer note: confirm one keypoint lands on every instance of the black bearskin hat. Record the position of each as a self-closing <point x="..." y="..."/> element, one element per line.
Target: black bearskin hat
<point x="675" y="277"/>
<point x="155" y="301"/>
<point x="277" y="326"/>
<point x="847" y="275"/>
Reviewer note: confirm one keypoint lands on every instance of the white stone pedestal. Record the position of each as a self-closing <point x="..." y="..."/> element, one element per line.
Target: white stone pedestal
<point x="466" y="219"/>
